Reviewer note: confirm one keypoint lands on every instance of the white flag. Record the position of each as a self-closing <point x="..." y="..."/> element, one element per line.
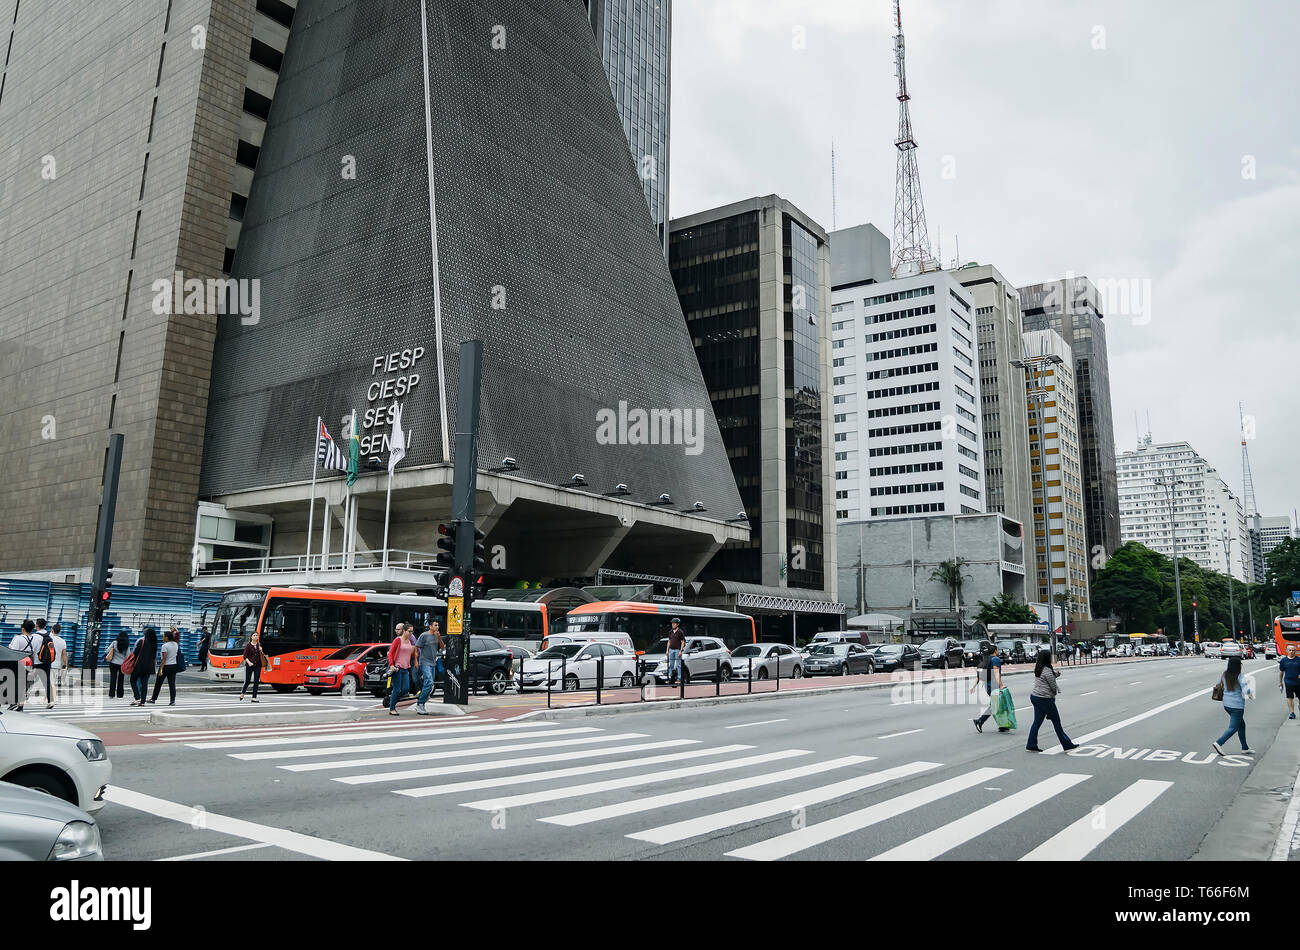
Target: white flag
<point x="396" y="441"/>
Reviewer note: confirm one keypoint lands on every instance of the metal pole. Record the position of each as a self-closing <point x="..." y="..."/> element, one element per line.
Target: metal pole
<point x="388" y="503"/>
<point x="433" y="232"/>
<point x="311" y="510"/>
<point x="1232" y="604"/>
<point x="103" y="550"/>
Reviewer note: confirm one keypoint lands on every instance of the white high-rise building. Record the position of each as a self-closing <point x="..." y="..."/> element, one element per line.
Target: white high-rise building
<point x="1205" y="509"/>
<point x="1268" y="533"/>
<point x="908" y="434"/>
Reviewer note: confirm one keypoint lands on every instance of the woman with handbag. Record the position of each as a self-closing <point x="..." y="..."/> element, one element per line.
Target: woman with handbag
<point x="254" y="661"/>
<point x="1043" y="696"/>
<point x="1232" y="690"/>
<point x="168" y="663"/>
<point x="142" y="660"/>
<point x="400" y="657"/>
<point x="115" y="657"/>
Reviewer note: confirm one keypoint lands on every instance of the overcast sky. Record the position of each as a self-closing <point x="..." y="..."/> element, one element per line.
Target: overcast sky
<point x="1167" y="159"/>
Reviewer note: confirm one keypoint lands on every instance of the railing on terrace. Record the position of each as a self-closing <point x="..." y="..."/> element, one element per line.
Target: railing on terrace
<point x="311" y="563"/>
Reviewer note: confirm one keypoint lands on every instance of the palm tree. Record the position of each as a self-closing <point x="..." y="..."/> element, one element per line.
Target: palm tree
<point x="949" y="574"/>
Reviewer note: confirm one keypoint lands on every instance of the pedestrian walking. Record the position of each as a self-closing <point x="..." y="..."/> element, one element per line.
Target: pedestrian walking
<point x="115" y="656"/>
<point x="1288" y="677"/>
<point x="168" y="662"/>
<point x="144" y="657"/>
<point x="676" y="640"/>
<point x="204" y="640"/>
<point x="45" y="661"/>
<point x="254" y="662"/>
<point x="428" y="647"/>
<point x="62" y="655"/>
<point x="401" y="656"/>
<point x="1043" y="697"/>
<point x="1233" y="690"/>
<point x="991" y="668"/>
<point x="30" y="642"/>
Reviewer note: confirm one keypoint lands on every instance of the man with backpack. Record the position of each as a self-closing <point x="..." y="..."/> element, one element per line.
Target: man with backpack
<point x="44" y="659"/>
<point x="31" y="642"/>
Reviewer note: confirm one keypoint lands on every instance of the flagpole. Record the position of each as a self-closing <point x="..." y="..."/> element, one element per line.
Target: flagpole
<point x="388" y="501"/>
<point x="311" y="510"/>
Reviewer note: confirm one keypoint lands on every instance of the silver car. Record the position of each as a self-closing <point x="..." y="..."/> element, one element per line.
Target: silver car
<point x="760" y="661"/>
<point x="35" y="826"/>
<point x="703" y="658"/>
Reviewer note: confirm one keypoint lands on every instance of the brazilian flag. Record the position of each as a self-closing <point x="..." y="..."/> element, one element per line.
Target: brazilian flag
<point x="354" y="452"/>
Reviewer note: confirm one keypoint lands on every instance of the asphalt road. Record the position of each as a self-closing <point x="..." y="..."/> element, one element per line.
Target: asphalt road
<point x="888" y="774"/>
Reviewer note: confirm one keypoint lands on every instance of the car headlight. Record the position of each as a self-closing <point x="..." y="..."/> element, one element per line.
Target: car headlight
<point x="333" y="669"/>
<point x="78" y="839"/>
<point x="93" y="750"/>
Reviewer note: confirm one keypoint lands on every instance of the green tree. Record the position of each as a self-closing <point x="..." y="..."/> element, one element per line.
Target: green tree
<point x="1005" y="608"/>
<point x="1131" y="586"/>
<point x="949" y="574"/>
<point x="1281" y="577"/>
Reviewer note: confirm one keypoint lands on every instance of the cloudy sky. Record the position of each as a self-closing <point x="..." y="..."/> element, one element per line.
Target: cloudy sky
<point x="1150" y="142"/>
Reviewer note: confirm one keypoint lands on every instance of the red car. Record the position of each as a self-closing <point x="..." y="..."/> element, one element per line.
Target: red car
<point x="344" y="670"/>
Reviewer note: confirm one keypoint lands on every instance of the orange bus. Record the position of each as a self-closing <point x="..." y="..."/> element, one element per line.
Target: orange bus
<point x="1286" y="630"/>
<point x="300" y="625"/>
<point x="648" y="622"/>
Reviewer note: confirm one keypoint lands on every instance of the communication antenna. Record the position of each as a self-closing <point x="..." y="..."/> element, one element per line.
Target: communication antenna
<point x="1247" y="480"/>
<point x="911" y="237"/>
<point x="834" y="201"/>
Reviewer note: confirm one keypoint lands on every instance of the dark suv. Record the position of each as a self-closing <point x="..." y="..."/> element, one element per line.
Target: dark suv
<point x="941" y="653"/>
<point x="974" y="650"/>
<point x="489" y="662"/>
<point x="1017" y="651"/>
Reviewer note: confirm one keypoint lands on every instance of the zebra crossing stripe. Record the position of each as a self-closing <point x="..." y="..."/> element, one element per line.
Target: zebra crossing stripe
<point x="956" y="833"/>
<point x="479" y="784"/>
<point x="261" y="732"/>
<point x="575" y="791"/>
<point x="1078" y="840"/>
<point x="795" y="841"/>
<point x="417" y="741"/>
<point x="694" y="827"/>
<point x="618" y="809"/>
<point x="378" y="733"/>
<point x="445" y="754"/>
<point x="497" y="763"/>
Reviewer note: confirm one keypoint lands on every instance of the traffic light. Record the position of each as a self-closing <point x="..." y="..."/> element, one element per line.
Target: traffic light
<point x="479" y="561"/>
<point x="106" y="595"/>
<point x="447" y="545"/>
<point x="1193" y="605"/>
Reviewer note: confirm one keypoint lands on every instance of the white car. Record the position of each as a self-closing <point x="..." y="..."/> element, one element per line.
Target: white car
<point x="54" y="757"/>
<point x="1230" y="648"/>
<point x="577" y="666"/>
<point x="1213" y="649"/>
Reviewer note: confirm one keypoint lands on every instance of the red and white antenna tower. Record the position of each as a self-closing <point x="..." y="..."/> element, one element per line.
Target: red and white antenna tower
<point x="911" y="238"/>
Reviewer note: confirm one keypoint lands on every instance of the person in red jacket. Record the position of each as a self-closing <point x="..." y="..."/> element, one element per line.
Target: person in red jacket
<point x="400" y="657"/>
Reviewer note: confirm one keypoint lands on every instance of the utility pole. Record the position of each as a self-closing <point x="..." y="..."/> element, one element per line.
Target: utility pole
<point x="1227" y="556"/>
<point x="102" y="574"/>
<point x="1168" y="484"/>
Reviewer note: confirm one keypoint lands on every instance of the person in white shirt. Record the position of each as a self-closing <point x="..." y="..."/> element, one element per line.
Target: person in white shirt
<point x="62" y="656"/>
<point x="30" y="642"/>
<point x="167" y="664"/>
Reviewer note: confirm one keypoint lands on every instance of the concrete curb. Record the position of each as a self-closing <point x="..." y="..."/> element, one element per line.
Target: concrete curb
<point x="581" y="712"/>
<point x="183" y="720"/>
<point x="1249" y="827"/>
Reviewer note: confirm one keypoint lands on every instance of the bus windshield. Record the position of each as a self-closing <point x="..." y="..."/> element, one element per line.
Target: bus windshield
<point x="233" y="625"/>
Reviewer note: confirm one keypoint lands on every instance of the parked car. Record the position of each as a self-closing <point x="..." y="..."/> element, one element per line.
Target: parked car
<point x="840" y="659"/>
<point x="897" y="656"/>
<point x="489" y="671"/>
<point x="519" y="654"/>
<point x="36" y="827"/>
<point x="942" y="652"/>
<point x="973" y="650"/>
<point x="578" y="666"/>
<point x="702" y="658"/>
<point x="762" y="661"/>
<point x="344" y="670"/>
<point x="619" y="639"/>
<point x="54" y="757"/>
<point x="833" y="636"/>
<point x="1015" y="651"/>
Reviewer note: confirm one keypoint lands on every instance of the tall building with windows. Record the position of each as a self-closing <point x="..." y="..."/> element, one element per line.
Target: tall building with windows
<point x="1264" y="537"/>
<point x="1168" y="486"/>
<point x="1073" y="308"/>
<point x="908" y="431"/>
<point x="754" y="283"/>
<point x="635" y="40"/>
<point x="1060" y="548"/>
<point x="1002" y="392"/>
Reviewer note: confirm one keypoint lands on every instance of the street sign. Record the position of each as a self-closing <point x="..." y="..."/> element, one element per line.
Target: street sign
<point x="456" y="588"/>
<point x="455" y="615"/>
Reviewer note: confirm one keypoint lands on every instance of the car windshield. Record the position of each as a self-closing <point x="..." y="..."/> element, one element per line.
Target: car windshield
<point x="891" y="648"/>
<point x="561" y="651"/>
<point x="829" y="649"/>
<point x="659" y="646"/>
<point x="349" y="652"/>
<point x="749" y="649"/>
<point x="971" y="646"/>
<point x="1005" y="645"/>
<point x="934" y="644"/>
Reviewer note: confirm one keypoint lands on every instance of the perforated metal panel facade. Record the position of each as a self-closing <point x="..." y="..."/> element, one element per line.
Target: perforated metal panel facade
<point x="546" y="248"/>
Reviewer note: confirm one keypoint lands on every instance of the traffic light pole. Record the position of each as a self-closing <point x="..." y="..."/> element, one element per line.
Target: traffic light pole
<point x="464" y="488"/>
<point x="103" y="551"/>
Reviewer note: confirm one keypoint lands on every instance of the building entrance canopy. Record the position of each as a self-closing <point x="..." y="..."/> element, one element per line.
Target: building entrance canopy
<point x="758" y="599"/>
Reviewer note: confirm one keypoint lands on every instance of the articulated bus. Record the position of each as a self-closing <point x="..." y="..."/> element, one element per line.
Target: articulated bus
<point x="648" y="622"/>
<point x="1286" y="630"/>
<point x="300" y="625"/>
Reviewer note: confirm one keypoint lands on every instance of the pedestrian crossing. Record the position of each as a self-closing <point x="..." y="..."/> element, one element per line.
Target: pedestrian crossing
<point x="97" y="707"/>
<point x="686" y="791"/>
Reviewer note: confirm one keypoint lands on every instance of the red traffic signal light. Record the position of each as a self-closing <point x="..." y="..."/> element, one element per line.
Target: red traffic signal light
<point x="1193" y="604"/>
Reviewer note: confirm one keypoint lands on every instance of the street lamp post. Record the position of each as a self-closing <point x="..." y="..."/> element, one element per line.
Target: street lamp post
<point x="1168" y="484"/>
<point x="1033" y="367"/>
<point x="1232" y="606"/>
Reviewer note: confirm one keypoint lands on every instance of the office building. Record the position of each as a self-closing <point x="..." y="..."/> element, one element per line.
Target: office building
<point x="1265" y="535"/>
<point x="1056" y="471"/>
<point x="262" y="152"/>
<point x="908" y="434"/>
<point x="1002" y="392"/>
<point x="635" y="38"/>
<point x="1168" y="486"/>
<point x="1073" y="308"/>
<point x="754" y="283"/>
